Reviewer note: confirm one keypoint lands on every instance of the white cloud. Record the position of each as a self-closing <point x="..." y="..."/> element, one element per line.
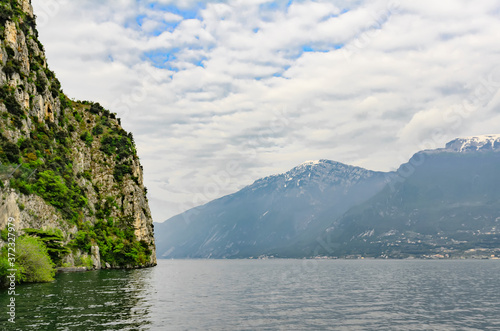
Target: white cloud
<point x="269" y="86"/>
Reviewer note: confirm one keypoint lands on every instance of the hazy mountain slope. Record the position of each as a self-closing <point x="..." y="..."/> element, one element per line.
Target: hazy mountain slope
<point x="443" y="201"/>
<point x="270" y="215"/>
<point x="449" y="203"/>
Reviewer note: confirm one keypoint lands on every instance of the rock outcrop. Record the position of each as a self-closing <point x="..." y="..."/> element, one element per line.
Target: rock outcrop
<point x="66" y="166"/>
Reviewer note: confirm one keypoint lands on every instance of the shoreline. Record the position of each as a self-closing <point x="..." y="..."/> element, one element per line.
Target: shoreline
<point x="85" y="269"/>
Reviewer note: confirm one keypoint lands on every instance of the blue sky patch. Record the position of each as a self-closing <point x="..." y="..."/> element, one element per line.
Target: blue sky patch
<point x="162" y="59"/>
<point x="273" y="6"/>
<point x="188" y="13"/>
<point x="200" y="63"/>
<point x="320" y="49"/>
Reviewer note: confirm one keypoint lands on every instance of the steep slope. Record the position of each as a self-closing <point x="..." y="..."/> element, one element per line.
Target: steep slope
<point x="271" y="215"/>
<point x="442" y="203"/>
<point x="448" y="203"/>
<point x="68" y="169"/>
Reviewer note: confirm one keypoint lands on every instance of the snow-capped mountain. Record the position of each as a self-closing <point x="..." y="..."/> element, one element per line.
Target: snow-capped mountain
<point x="322" y="173"/>
<point x="447" y="201"/>
<point x="474" y="144"/>
<point x="271" y="214"/>
<point x="446" y="204"/>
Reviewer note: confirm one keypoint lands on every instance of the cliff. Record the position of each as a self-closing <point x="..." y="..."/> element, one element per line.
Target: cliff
<point x="68" y="172"/>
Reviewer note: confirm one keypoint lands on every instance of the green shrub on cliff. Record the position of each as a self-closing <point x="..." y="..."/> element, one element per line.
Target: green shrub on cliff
<point x="5" y="14"/>
<point x="117" y="243"/>
<point x="53" y="189"/>
<point x="121" y="170"/>
<point x="60" y="192"/>
<point x="5" y="268"/>
<point x="32" y="262"/>
<point x="87" y="138"/>
<point x="53" y="240"/>
<point x="41" y="153"/>
<point x="10" y="152"/>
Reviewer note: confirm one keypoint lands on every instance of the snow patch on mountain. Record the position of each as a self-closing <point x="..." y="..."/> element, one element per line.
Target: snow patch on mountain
<point x="313" y="162"/>
<point x="320" y="173"/>
<point x="474" y="144"/>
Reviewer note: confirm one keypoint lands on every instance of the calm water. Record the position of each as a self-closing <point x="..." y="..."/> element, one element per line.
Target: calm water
<point x="267" y="295"/>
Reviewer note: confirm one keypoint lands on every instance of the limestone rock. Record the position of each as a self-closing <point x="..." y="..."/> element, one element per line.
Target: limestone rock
<point x="96" y="258"/>
<point x="108" y="197"/>
<point x="11" y="34"/>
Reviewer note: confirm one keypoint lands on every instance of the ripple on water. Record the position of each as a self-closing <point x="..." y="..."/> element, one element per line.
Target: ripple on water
<point x="268" y="295"/>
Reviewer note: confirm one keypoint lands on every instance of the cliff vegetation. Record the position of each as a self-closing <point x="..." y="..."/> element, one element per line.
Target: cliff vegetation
<point x="70" y="175"/>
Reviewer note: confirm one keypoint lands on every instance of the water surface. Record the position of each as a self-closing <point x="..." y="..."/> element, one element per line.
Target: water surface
<point x="267" y="295"/>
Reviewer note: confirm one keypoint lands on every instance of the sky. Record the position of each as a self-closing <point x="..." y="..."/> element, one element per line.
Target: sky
<point x="221" y="93"/>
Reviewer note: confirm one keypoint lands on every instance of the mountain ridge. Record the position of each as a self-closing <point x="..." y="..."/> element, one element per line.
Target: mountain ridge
<point x="314" y="211"/>
<point x="269" y="198"/>
<point x="483" y="143"/>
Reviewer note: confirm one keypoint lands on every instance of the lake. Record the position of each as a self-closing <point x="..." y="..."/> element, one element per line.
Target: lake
<point x="267" y="295"/>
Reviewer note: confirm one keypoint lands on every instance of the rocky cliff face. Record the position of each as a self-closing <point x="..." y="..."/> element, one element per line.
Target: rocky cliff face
<point x="66" y="167"/>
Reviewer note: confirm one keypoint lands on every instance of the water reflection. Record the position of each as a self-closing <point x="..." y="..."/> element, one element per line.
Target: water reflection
<point x="97" y="300"/>
<point x="267" y="295"/>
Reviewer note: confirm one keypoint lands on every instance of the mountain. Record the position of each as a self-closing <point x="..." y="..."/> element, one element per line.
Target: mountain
<point x="69" y="172"/>
<point x="443" y="201"/>
<point x="486" y="143"/>
<point x="271" y="215"/>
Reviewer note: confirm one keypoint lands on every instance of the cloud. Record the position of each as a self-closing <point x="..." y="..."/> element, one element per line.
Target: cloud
<point x="219" y="94"/>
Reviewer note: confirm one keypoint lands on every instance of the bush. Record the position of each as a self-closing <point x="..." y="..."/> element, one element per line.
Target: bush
<point x="96" y="108"/>
<point x="41" y="83"/>
<point x="82" y="241"/>
<point x="121" y="170"/>
<point x="5" y="14"/>
<point x="119" y="145"/>
<point x="4" y="234"/>
<point x="65" y="103"/>
<point x="98" y="130"/>
<point x="4" y="270"/>
<point x="77" y="116"/>
<point x="117" y="243"/>
<point x="11" y="152"/>
<point x="53" y="189"/>
<point x="12" y="67"/>
<point x="31" y="157"/>
<point x="53" y="241"/>
<point x="107" y="145"/>
<point x="7" y="97"/>
<point x="84" y="261"/>
<point x="87" y="175"/>
<point x="55" y="88"/>
<point x="26" y="145"/>
<point x="57" y="185"/>
<point x="87" y="138"/>
<point x="33" y="260"/>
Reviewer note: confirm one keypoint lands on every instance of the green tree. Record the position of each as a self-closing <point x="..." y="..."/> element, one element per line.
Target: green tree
<point x="33" y="260"/>
<point x="53" y="240"/>
<point x="53" y="189"/>
<point x="4" y="269"/>
<point x="10" y="152"/>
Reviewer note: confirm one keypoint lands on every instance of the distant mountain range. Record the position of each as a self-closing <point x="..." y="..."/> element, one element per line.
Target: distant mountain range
<point x="442" y="203"/>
